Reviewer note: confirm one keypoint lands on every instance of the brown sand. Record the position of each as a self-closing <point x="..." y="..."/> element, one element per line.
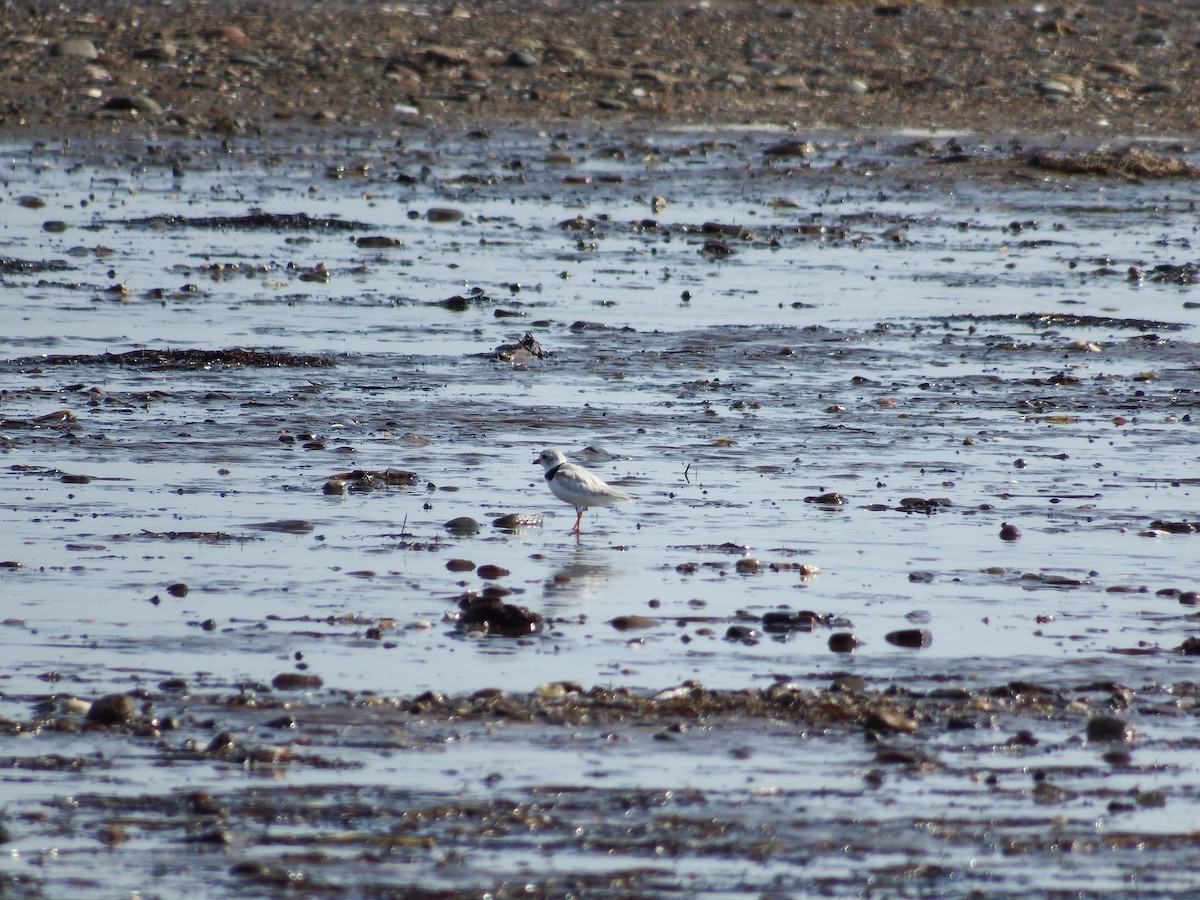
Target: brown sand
<point x="220" y="67"/>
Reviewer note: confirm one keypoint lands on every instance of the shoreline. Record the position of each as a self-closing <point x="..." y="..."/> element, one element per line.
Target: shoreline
<point x="214" y="68"/>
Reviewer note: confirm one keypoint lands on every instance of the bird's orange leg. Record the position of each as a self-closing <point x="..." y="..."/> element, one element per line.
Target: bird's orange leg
<point x="578" y="519"/>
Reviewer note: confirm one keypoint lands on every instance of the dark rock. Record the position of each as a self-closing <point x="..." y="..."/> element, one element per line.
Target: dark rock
<point x="914" y="638"/>
<point x="1108" y="729"/>
<point x="491" y="616"/>
<point x="296" y="681"/>
<point x="843" y="642"/>
<point x="112" y="709"/>
<point x="462" y="525"/>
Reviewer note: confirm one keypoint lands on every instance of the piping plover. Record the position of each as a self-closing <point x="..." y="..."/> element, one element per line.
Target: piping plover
<point x="576" y="485"/>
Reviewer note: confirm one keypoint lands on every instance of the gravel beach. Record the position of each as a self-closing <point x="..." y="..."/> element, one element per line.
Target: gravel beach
<point x="1089" y="70"/>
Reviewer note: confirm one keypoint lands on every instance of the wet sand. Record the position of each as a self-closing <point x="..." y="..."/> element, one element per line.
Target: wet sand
<point x="265" y="354"/>
<point x="1096" y="69"/>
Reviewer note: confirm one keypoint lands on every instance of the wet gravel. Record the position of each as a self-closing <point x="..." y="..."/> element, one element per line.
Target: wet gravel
<point x="222" y="68"/>
<point x="906" y="603"/>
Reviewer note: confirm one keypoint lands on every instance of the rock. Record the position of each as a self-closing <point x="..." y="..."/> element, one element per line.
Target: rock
<point x="229" y="34"/>
<point x="296" y="681"/>
<point x="887" y="720"/>
<point x="630" y="623"/>
<point x="780" y="621"/>
<point x="1152" y="37"/>
<point x="492" y="616"/>
<point x="138" y="104"/>
<point x="378" y="242"/>
<point x="517" y="521"/>
<point x="162" y="52"/>
<point x="523" y="351"/>
<point x="112" y="709"/>
<point x="491" y="572"/>
<point x="1108" y="729"/>
<point x="443" y="214"/>
<point x="741" y="633"/>
<point x="462" y="525"/>
<point x="843" y="642"/>
<point x="913" y="638"/>
<point x="851" y="86"/>
<point x="74" y="48"/>
<point x="460" y="565"/>
<point x="519" y="59"/>
<point x="1009" y="532"/>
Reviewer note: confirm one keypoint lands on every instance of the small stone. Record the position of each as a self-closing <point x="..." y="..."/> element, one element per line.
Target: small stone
<point x="443" y="214"/>
<point x="630" y="623"/>
<point x="1108" y="729"/>
<point x="885" y="720"/>
<point x="843" y="642"/>
<point x="74" y="48"/>
<point x="179" y="589"/>
<point x="1152" y="37"/>
<point x="112" y="709"/>
<point x="491" y="572"/>
<point x="491" y="616"/>
<point x="851" y="86"/>
<point x="462" y="525"/>
<point x="136" y="103"/>
<point x="515" y="521"/>
<point x="1009" y="532"/>
<point x="912" y="638"/>
<point x="519" y="59"/>
<point x="296" y="681"/>
<point x="460" y="565"/>
<point x="742" y="633"/>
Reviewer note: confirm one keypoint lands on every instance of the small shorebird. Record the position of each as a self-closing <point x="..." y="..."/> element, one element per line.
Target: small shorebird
<point x="576" y="485"/>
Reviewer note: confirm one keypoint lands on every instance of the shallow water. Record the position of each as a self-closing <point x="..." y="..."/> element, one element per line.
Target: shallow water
<point x="880" y="358"/>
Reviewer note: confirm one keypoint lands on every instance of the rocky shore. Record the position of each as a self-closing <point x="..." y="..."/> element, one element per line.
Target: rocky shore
<point x="223" y="68"/>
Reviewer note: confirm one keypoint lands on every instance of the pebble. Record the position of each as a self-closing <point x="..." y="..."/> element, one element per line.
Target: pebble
<point x="462" y="525"/>
<point x="1009" y="532"/>
<point x="742" y="633"/>
<point x="519" y="59"/>
<point x="1108" y="729"/>
<point x="913" y="638"/>
<point x="489" y="615"/>
<point x="1152" y="37"/>
<point x="886" y="720"/>
<point x="631" y="623"/>
<point x="296" y="681"/>
<point x="490" y="572"/>
<point x="134" y="103"/>
<point x="852" y="86"/>
<point x="460" y="565"/>
<point x="843" y="642"/>
<point x="74" y="48"/>
<point x="443" y="214"/>
<point x="112" y="709"/>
